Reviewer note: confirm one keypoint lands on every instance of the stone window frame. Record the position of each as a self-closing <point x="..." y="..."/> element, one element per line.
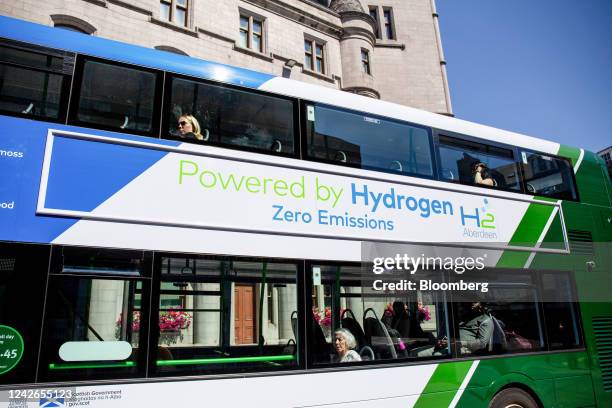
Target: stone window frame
<point x="366" y="63"/>
<point x="252" y="16"/>
<point x="373" y="11"/>
<point x="169" y="48"/>
<point x="74" y="23"/>
<point x="382" y="28"/>
<point x="389" y="26"/>
<point x="314" y="41"/>
<point x="173" y="5"/>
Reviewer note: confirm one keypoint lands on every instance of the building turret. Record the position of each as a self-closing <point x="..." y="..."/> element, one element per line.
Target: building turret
<point x="356" y="47"/>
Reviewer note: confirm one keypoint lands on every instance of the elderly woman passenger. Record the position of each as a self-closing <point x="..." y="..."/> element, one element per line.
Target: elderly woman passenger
<point x="344" y="344"/>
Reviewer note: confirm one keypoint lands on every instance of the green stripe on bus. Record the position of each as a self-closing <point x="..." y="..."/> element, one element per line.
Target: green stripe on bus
<point x="198" y="361"/>
<point x="571" y="153"/>
<point x="77" y="366"/>
<point x="513" y="259"/>
<point x="446" y="377"/>
<point x="527" y="233"/>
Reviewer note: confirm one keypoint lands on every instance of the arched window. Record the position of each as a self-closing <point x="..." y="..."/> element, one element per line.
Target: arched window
<point x="72" y="23"/>
<point x="171" y="49"/>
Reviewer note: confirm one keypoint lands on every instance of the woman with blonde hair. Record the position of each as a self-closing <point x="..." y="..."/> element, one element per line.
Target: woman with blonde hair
<point x="189" y="128"/>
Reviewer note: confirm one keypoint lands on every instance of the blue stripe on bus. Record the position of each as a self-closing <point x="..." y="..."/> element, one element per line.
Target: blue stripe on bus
<point x="83" y="173"/>
<point x="20" y="172"/>
<point x="22" y="146"/>
<point x="19" y="30"/>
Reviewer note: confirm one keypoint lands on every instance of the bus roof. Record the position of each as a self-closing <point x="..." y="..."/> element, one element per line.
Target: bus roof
<point x="28" y="32"/>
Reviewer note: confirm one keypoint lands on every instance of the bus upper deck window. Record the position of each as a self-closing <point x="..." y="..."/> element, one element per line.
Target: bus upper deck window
<point x="548" y="176"/>
<point x="366" y="141"/>
<point x="231" y="117"/>
<point x="32" y="84"/>
<point x="471" y="162"/>
<point x="116" y="97"/>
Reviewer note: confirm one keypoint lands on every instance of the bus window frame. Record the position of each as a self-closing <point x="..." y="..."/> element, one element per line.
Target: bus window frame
<point x="364" y="364"/>
<point x="554" y="156"/>
<point x="56" y="275"/>
<point x="466" y="138"/>
<point x="68" y="58"/>
<point x="571" y="275"/>
<point x="167" y="99"/>
<point x="535" y="276"/>
<point x="304" y="140"/>
<point x="153" y="333"/>
<point x="77" y="81"/>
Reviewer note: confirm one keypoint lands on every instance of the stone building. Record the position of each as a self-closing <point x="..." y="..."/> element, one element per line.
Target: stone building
<point x="606" y="154"/>
<point x="387" y="49"/>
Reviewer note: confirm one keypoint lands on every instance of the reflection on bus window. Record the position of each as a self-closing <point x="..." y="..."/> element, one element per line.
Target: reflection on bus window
<point x="470" y="162"/>
<point x="31" y="83"/>
<point x="367" y="142"/>
<point x="383" y="327"/>
<point x="234" y="117"/>
<point x="116" y="97"/>
<point x="560" y="311"/>
<point x="94" y="324"/>
<point x="548" y="176"/>
<point x="504" y="320"/>
<point x="214" y="315"/>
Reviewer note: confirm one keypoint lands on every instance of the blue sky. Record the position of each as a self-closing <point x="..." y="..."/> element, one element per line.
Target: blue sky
<point x="539" y="67"/>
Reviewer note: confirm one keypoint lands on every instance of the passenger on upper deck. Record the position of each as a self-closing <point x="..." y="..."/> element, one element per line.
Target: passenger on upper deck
<point x="189" y="128"/>
<point x="482" y="175"/>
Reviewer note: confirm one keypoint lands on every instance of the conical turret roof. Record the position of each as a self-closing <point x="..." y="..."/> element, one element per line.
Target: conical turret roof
<point x="343" y="6"/>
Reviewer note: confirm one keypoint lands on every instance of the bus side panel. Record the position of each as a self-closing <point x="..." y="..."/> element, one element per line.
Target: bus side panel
<point x="591" y="263"/>
<point x="591" y="183"/>
<point x="23" y="276"/>
<point x="23" y="142"/>
<point x="542" y="374"/>
<point x="591" y="311"/>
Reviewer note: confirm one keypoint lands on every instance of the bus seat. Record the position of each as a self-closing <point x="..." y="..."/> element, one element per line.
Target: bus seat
<point x="29" y="109"/>
<point x="403" y="325"/>
<point x="341" y="157"/>
<point x="290" y="348"/>
<point x="377" y="336"/>
<point x="396" y="165"/>
<point x="352" y="325"/>
<point x="465" y="165"/>
<point x="367" y="354"/>
<point x="320" y="347"/>
<point x="126" y="121"/>
<point x="294" y="322"/>
<point x="277" y="146"/>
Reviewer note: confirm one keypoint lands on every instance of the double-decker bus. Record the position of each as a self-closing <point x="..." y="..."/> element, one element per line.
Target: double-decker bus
<point x="176" y="232"/>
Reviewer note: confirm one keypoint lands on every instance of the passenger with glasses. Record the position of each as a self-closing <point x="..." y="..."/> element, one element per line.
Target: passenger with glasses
<point x="189" y="128"/>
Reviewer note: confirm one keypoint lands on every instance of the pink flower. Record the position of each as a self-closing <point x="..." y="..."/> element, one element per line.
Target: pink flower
<point x="389" y="310"/>
<point x="423" y="313"/>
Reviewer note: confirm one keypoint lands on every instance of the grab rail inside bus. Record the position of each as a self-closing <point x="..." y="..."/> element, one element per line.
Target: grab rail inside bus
<point x="227" y="360"/>
<point x="81" y="318"/>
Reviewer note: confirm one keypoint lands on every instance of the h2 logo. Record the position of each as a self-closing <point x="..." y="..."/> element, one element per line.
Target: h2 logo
<point x="487" y="220"/>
